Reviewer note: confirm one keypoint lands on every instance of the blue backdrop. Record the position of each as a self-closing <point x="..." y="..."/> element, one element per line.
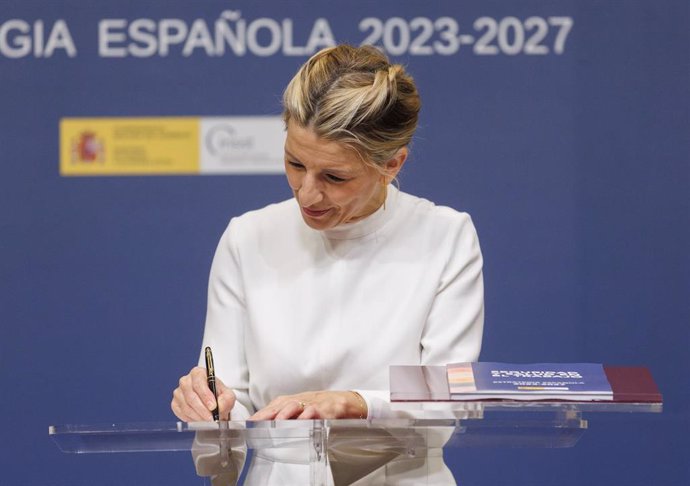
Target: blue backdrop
<point x="570" y="148"/>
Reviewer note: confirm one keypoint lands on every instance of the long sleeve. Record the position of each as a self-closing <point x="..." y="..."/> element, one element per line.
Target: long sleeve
<point x="454" y="327"/>
<point x="226" y="319"/>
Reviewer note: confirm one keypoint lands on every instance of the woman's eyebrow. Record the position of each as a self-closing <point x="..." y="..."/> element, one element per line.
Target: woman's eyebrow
<point x="345" y="171"/>
<point x="290" y="156"/>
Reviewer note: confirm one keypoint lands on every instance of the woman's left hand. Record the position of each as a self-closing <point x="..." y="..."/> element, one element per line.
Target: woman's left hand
<point x="314" y="405"/>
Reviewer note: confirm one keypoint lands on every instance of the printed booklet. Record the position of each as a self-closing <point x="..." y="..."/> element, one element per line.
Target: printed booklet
<point x="539" y="381"/>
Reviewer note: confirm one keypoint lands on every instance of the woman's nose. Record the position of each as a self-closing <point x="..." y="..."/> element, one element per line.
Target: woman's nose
<point x="310" y="192"/>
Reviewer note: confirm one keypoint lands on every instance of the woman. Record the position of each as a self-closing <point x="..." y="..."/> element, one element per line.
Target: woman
<point x="312" y="299"/>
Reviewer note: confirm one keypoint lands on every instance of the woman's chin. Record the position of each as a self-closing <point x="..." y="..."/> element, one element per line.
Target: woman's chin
<point x="318" y="224"/>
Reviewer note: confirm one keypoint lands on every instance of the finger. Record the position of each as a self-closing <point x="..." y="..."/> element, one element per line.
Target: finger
<point x="310" y="413"/>
<point x="182" y="410"/>
<point x="190" y="401"/>
<point x="177" y="410"/>
<point x="267" y="413"/>
<point x="184" y="413"/>
<point x="200" y="387"/>
<point x="226" y="401"/>
<point x="194" y="407"/>
<point x="291" y="410"/>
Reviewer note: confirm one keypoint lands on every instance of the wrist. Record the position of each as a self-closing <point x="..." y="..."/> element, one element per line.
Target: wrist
<point x="361" y="410"/>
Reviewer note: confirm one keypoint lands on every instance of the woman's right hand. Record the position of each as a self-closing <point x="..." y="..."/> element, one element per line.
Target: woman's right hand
<point x="193" y="401"/>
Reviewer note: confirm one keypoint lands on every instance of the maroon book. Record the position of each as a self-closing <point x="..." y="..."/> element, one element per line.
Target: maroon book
<point x="632" y="384"/>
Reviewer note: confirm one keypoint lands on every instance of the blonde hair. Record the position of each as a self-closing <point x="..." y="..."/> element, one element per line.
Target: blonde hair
<point x="355" y="96"/>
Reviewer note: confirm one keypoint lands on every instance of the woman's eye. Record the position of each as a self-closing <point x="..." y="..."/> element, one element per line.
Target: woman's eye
<point x="296" y="165"/>
<point x="334" y="178"/>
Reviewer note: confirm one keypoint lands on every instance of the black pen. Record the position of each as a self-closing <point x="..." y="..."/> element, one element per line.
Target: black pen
<point x="211" y="379"/>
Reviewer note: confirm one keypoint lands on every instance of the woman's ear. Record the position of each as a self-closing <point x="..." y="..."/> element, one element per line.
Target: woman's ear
<point x="393" y="166"/>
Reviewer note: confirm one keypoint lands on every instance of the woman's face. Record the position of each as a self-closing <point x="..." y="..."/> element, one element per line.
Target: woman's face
<point x="330" y="182"/>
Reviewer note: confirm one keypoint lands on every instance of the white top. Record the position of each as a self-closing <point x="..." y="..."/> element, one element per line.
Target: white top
<point x="293" y="309"/>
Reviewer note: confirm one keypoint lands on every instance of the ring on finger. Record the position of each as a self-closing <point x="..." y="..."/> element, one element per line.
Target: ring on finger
<point x="302" y="404"/>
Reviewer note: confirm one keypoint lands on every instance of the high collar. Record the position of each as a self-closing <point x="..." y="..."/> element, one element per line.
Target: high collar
<point x="372" y="223"/>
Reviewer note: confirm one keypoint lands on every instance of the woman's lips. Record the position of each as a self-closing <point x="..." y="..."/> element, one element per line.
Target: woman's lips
<point x="314" y="213"/>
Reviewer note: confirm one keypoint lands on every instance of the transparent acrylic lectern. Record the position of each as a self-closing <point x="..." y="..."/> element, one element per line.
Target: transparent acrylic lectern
<point x="405" y="449"/>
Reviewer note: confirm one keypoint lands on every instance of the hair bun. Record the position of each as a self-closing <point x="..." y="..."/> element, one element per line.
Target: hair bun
<point x="356" y="96"/>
